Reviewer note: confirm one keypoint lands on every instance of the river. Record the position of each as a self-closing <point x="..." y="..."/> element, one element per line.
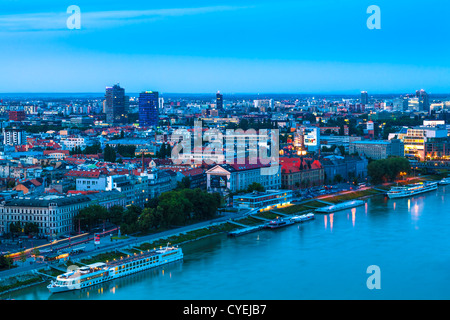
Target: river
<point x="326" y="258"/>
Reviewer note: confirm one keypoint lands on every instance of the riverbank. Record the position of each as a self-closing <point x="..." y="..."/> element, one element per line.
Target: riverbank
<point x="175" y="237"/>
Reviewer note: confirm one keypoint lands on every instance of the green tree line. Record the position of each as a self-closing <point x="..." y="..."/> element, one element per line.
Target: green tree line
<point x="387" y="170"/>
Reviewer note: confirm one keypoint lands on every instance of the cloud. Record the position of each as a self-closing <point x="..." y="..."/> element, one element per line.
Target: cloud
<point x="56" y="21"/>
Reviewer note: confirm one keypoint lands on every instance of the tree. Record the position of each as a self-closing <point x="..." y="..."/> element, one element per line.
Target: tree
<point x="30" y="228"/>
<point x="92" y="215"/>
<point x="5" y="262"/>
<point x="185" y="183"/>
<point x="109" y="154"/>
<point x="338" y="178"/>
<point x="115" y="214"/>
<point x="388" y="169"/>
<point x="255" y="186"/>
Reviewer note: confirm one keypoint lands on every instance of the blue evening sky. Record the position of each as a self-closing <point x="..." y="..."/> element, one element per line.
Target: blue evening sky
<point x="199" y="46"/>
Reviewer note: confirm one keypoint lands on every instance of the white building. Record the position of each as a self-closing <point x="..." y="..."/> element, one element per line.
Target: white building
<point x="52" y="214"/>
<point x="224" y="178"/>
<point x="14" y="136"/>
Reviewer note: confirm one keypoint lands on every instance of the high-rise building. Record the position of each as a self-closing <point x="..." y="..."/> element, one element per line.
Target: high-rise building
<point x="14" y="136"/>
<point x="148" y="108"/>
<point x="424" y="102"/>
<point x="219" y="101"/>
<point x="364" y="97"/>
<point x="115" y="104"/>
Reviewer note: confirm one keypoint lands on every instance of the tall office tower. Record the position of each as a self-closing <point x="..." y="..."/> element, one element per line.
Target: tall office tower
<point x="405" y="103"/>
<point x="364" y="97"/>
<point x="219" y="101"/>
<point x="424" y="102"/>
<point x="148" y="109"/>
<point x="115" y="104"/>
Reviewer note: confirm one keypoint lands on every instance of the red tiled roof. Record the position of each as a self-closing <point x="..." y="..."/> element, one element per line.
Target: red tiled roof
<point x="83" y="174"/>
<point x="290" y="165"/>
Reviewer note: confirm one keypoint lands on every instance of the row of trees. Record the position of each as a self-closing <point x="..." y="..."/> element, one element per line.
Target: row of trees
<point x="92" y="149"/>
<point x="389" y="169"/>
<point x="177" y="207"/>
<point x="27" y="228"/>
<point x="164" y="152"/>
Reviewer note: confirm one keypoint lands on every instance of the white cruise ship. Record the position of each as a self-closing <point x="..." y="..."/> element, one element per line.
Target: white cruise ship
<point x="410" y="190"/>
<point x="96" y="273"/>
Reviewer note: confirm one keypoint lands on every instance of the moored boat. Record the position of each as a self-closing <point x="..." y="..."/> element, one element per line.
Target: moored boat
<point x="278" y="223"/>
<point x="411" y="190"/>
<point x="303" y="217"/>
<point x="99" y="272"/>
<point x="340" y="206"/>
<point x="444" y="182"/>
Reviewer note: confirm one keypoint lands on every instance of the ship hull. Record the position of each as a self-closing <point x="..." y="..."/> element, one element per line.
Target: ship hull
<point x="410" y="194"/>
<point x="58" y="289"/>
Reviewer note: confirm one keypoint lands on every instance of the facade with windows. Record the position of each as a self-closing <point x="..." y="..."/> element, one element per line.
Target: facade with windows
<point x="148" y="109"/>
<point x="269" y="199"/>
<point x="52" y="214"/>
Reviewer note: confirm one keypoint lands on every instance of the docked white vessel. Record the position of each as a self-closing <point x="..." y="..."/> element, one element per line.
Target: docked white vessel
<point x="340" y="206"/>
<point x="96" y="273"/>
<point x="303" y="217"/>
<point x="410" y="190"/>
<point x="444" y="182"/>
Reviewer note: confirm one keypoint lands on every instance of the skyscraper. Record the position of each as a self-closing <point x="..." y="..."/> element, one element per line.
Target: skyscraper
<point x="364" y="97"/>
<point x="148" y="109"/>
<point x="219" y="101"/>
<point x="424" y="102"/>
<point x="115" y="104"/>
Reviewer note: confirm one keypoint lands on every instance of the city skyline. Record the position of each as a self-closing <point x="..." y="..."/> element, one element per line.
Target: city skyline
<point x="237" y="46"/>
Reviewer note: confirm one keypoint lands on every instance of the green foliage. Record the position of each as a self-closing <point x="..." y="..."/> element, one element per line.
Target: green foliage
<point x="389" y="169"/>
<point x="109" y="154"/>
<point x="255" y="186"/>
<point x="126" y="150"/>
<point x="5" y="263"/>
<point x="30" y="228"/>
<point x="164" y="152"/>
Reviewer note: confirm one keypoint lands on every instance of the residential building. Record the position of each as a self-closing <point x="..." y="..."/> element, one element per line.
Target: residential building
<point x="299" y="172"/>
<point x="225" y="178"/>
<point x="377" y="149"/>
<point x="14" y="136"/>
<point x="52" y="213"/>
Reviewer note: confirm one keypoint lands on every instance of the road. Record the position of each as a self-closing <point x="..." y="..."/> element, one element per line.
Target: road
<point x="107" y="245"/>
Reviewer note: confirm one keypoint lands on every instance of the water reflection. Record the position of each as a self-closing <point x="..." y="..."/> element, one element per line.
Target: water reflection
<point x="353" y="216"/>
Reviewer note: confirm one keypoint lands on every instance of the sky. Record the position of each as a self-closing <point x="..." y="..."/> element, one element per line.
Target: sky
<point x="198" y="46"/>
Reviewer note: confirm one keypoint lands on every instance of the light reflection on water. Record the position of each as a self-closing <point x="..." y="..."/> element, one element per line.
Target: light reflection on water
<point x="325" y="258"/>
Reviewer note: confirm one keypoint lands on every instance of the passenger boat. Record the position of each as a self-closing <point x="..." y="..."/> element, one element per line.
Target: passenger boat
<point x="99" y="272"/>
<point x="243" y="231"/>
<point x="444" y="182"/>
<point x="340" y="206"/>
<point x="303" y="217"/>
<point x="410" y="190"/>
<point x="278" y="223"/>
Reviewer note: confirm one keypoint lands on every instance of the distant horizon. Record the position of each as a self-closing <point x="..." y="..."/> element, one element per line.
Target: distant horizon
<point x="212" y="94"/>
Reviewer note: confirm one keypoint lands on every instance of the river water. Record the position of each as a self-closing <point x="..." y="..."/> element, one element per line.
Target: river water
<point x="327" y="258"/>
